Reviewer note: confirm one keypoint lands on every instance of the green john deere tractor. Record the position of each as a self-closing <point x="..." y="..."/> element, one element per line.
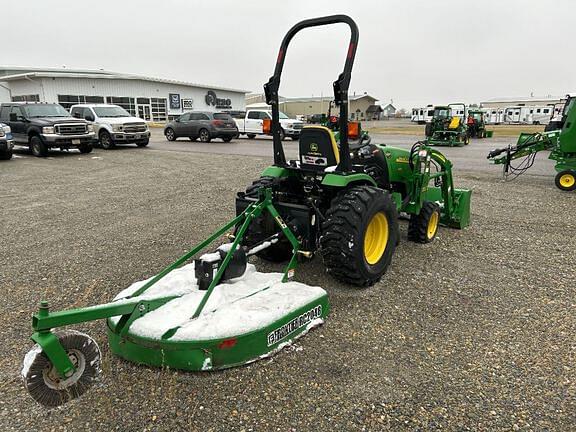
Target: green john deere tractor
<point x="218" y="312"/>
<point x="447" y="127"/>
<point x="342" y="200"/>
<point x="561" y="143"/>
<point x="476" y="124"/>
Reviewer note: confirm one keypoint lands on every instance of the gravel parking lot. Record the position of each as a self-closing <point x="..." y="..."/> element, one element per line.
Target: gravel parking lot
<point x="472" y="332"/>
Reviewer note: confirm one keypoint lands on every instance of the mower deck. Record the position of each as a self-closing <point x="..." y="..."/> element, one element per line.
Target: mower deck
<point x="246" y="319"/>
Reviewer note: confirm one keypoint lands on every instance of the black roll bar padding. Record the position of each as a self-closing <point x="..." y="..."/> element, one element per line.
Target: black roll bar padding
<point x="340" y="87"/>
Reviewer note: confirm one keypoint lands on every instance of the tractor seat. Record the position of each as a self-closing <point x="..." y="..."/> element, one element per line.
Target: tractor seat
<point x="318" y="148"/>
<point x="454" y="123"/>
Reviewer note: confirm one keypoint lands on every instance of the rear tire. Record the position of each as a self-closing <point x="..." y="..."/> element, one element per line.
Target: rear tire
<point x="566" y="180"/>
<point x="428" y="130"/>
<point x="204" y="135"/>
<point x="423" y="227"/>
<point x="37" y="147"/>
<point x="360" y="235"/>
<point x="227" y="139"/>
<point x="6" y="155"/>
<point x="106" y="141"/>
<point x="251" y="136"/>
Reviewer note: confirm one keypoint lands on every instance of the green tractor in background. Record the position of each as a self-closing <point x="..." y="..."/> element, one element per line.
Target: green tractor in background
<point x="341" y="198"/>
<point x="561" y="143"/>
<point x="476" y="124"/>
<point x="447" y="127"/>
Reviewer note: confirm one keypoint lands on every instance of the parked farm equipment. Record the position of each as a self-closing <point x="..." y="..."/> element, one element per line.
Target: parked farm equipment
<point x="447" y="127"/>
<point x="341" y="201"/>
<point x="560" y="142"/>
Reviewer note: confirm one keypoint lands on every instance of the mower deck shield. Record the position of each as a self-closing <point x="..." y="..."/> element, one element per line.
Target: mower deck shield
<point x="246" y="319"/>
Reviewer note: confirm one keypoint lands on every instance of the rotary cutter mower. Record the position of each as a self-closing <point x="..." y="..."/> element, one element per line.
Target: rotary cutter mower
<point x="340" y="200"/>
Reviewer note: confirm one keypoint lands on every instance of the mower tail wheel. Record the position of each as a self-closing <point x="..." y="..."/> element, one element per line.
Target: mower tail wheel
<point x="423" y="227"/>
<point x="43" y="381"/>
<point x="566" y="180"/>
<point x="359" y="235"/>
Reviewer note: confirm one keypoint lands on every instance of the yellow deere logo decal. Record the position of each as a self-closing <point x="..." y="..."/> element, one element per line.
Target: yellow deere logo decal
<point x="313" y="147"/>
<point x="402" y="159"/>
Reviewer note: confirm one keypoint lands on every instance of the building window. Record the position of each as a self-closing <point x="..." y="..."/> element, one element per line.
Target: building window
<point x="68" y="100"/>
<point x="158" y="109"/>
<point x="26" y="98"/>
<point x="125" y="102"/>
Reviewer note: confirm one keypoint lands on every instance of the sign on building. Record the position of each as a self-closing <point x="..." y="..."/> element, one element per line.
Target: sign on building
<point x="174" y="101"/>
<point x="187" y="104"/>
<point x="220" y="103"/>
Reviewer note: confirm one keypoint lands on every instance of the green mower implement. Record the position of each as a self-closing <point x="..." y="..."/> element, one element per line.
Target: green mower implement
<point x="215" y="313"/>
<point x="561" y="144"/>
<point x="447" y="127"/>
<point x="342" y="199"/>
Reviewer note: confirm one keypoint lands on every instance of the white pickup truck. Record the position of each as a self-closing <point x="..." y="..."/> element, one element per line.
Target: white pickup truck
<point x="251" y="124"/>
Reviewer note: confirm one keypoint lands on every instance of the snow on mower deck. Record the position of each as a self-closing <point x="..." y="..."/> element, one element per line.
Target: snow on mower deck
<point x="246" y="318"/>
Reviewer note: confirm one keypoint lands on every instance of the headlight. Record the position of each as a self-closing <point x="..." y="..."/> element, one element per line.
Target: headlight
<point x="117" y="128"/>
<point x="2" y="133"/>
<point x="7" y="129"/>
<point x="90" y="128"/>
<point x="290" y="125"/>
<point x="48" y="130"/>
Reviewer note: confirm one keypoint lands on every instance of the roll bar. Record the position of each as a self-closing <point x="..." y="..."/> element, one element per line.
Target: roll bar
<point x="463" y="107"/>
<point x="340" y="87"/>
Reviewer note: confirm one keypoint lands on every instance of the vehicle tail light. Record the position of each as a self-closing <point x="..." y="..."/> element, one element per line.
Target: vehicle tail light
<point x="353" y="130"/>
<point x="217" y="122"/>
<point x="267" y="126"/>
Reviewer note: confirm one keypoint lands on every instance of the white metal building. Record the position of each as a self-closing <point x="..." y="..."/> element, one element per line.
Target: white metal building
<point x="152" y="99"/>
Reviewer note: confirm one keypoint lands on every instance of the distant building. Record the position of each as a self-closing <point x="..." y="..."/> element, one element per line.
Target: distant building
<point x="358" y="105"/>
<point x="389" y="110"/>
<point x="152" y="99"/>
<point x="504" y="102"/>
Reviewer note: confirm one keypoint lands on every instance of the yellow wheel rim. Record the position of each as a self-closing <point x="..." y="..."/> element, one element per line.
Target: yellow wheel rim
<point x="376" y="238"/>
<point x="432" y="225"/>
<point x="567" y="180"/>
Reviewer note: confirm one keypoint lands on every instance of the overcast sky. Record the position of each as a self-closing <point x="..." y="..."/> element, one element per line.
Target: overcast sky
<point x="413" y="52"/>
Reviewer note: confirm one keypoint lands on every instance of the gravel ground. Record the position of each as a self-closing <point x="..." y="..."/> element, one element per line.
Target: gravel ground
<point x="472" y="332"/>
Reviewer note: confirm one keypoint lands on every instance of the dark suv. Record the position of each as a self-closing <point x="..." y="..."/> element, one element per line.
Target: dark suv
<point x="202" y="124"/>
<point x="41" y="126"/>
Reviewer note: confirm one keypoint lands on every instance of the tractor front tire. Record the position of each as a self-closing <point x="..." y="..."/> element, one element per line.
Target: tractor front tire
<point x="566" y="180"/>
<point x="423" y="227"/>
<point x="360" y="235"/>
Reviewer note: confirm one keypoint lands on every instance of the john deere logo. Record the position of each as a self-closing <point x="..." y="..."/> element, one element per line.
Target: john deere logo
<point x="314" y="147"/>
